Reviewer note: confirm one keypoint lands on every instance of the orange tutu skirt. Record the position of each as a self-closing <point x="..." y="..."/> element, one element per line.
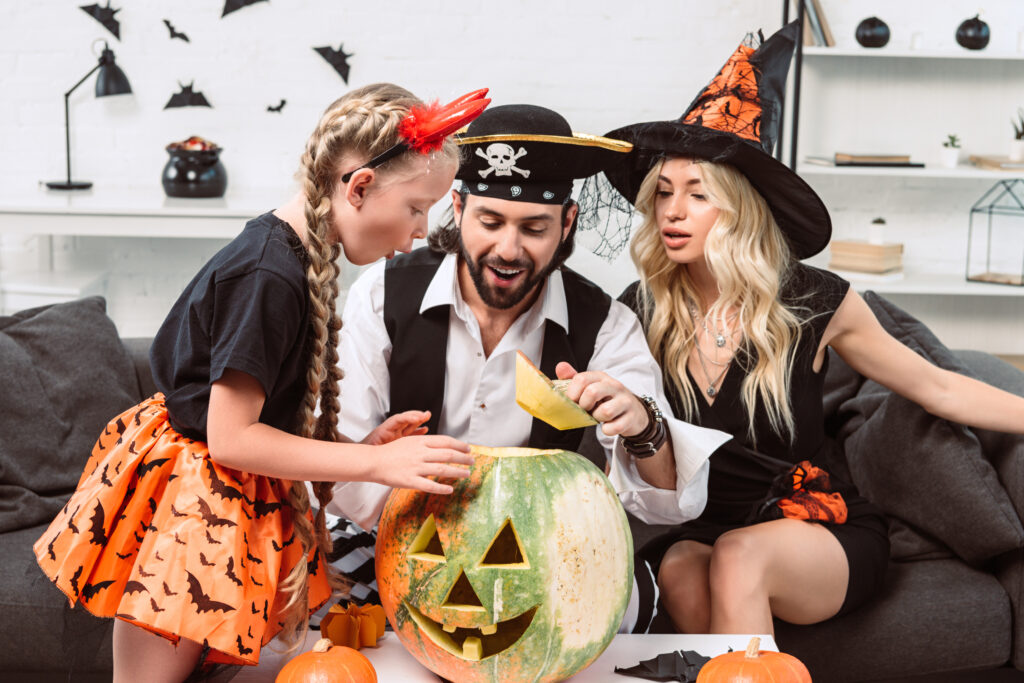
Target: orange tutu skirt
<point x="159" y="535"/>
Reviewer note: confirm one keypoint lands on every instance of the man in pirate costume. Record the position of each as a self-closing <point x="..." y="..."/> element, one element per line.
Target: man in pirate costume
<point x="438" y="329"/>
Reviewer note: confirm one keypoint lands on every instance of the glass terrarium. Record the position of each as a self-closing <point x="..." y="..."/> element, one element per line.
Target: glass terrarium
<point x="995" y="238"/>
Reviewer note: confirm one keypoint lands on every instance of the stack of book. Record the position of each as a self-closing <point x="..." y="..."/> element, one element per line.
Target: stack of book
<point x="866" y="257"/>
<point x="847" y="159"/>
<point x="996" y="163"/>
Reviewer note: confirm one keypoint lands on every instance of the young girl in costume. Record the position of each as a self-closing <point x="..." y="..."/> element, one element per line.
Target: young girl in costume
<point x="192" y="519"/>
<point x="741" y="329"/>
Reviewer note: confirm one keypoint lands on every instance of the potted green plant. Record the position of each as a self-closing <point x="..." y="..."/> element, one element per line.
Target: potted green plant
<point x="1017" y="144"/>
<point x="949" y="155"/>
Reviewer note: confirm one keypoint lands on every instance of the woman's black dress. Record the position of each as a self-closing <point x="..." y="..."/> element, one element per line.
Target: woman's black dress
<point x="740" y="475"/>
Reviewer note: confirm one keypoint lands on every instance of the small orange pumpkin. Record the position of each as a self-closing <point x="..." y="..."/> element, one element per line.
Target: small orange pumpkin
<point x="354" y="626"/>
<point x="328" y="663"/>
<point x="754" y="666"/>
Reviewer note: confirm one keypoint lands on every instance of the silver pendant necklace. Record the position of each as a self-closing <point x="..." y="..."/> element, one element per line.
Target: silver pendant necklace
<point x="720" y="341"/>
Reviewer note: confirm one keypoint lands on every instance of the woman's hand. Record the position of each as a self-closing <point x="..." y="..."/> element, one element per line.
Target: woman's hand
<point x="406" y="463"/>
<point x="606" y="399"/>
<point x="409" y="423"/>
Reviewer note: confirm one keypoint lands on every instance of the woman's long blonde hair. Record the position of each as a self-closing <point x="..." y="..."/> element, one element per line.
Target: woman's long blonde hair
<point x="352" y="130"/>
<point x="749" y="259"/>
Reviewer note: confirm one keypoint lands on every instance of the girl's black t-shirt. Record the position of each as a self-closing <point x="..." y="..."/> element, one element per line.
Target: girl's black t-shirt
<point x="248" y="310"/>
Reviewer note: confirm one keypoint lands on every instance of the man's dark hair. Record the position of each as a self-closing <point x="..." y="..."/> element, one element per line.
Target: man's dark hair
<point x="444" y="238"/>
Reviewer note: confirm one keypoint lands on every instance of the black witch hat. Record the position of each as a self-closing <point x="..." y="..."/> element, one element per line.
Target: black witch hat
<point x="735" y="121"/>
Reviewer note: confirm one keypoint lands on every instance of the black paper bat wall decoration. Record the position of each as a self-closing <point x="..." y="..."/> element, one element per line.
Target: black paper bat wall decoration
<point x="187" y="98"/>
<point x="336" y="58"/>
<point x="174" y="34"/>
<point x="232" y="5"/>
<point x="277" y="107"/>
<point x="104" y="15"/>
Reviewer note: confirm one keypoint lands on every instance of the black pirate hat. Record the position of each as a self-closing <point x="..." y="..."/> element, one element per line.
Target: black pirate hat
<point x="530" y="154"/>
<point x="735" y="121"/>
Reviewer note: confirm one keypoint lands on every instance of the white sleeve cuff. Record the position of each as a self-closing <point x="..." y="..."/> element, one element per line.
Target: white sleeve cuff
<point x="359" y="501"/>
<point x="692" y="446"/>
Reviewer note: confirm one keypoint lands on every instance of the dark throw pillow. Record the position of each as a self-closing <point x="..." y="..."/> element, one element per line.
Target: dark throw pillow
<point x="64" y="374"/>
<point x="925" y="471"/>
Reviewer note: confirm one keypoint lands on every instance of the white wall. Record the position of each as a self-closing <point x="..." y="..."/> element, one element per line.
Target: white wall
<point x="600" y="63"/>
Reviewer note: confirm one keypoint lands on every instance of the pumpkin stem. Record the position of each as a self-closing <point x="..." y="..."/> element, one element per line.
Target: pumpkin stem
<point x="753" y="647"/>
<point x="323" y="645"/>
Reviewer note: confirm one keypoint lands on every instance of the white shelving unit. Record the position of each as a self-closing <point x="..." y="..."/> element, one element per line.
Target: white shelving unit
<point x="899" y="53"/>
<point x="961" y="172"/>
<point x="867" y="100"/>
<point x="116" y="212"/>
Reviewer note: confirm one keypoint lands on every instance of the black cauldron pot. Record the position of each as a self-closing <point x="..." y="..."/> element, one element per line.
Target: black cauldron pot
<point x="194" y="173"/>
<point x="973" y="34"/>
<point x="872" y="32"/>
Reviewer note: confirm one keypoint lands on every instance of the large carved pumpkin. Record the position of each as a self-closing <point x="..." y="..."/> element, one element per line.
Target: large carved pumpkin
<point x="522" y="574"/>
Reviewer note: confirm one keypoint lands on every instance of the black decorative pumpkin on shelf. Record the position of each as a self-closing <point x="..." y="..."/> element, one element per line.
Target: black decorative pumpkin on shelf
<point x="872" y="32"/>
<point x="194" y="169"/>
<point x="973" y="34"/>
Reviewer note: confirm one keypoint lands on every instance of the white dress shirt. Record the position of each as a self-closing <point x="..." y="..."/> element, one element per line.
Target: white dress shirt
<point x="479" y="393"/>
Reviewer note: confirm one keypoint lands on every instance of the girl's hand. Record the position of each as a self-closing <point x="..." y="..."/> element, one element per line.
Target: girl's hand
<point x="409" y="423"/>
<point x="609" y="402"/>
<point x="406" y="463"/>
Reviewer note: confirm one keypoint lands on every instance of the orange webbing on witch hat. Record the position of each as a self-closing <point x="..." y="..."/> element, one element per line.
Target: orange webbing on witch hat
<point x="730" y="103"/>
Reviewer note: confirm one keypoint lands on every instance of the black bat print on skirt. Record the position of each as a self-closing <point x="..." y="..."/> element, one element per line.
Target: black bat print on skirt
<point x="212" y="519"/>
<point x="99" y="534"/>
<point x="135" y="587"/>
<point x="202" y="601"/>
<point x="74" y="580"/>
<point x="146" y="467"/>
<point x="230" y="573"/>
<point x="89" y="590"/>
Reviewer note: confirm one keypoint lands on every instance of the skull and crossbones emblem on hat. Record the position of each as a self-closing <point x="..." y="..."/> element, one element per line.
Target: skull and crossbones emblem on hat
<point x="501" y="159"/>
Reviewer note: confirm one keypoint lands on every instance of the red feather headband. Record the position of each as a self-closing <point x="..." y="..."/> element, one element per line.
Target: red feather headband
<point x="426" y="126"/>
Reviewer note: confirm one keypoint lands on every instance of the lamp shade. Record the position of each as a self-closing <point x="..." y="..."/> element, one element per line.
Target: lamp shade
<point x="111" y="80"/>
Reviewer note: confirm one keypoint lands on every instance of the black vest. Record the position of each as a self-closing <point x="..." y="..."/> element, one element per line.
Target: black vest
<point x="419" y="343"/>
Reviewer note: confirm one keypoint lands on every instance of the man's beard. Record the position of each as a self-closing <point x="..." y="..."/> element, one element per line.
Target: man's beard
<point x="504" y="298"/>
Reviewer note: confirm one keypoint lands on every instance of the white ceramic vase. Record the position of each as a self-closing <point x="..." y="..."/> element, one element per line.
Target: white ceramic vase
<point x="1016" y="150"/>
<point x="949" y="157"/>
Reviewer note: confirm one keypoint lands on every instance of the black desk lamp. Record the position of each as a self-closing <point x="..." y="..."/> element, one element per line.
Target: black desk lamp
<point x="111" y="81"/>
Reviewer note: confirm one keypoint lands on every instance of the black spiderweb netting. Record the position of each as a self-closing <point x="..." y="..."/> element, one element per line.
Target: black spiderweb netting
<point x="605" y="219"/>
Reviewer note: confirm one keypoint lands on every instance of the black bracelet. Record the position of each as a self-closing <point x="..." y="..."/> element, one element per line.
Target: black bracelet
<point x="646" y="443"/>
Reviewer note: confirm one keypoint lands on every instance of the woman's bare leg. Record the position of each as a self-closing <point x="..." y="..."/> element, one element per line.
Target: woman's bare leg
<point x="143" y="656"/>
<point x="684" y="587"/>
<point x="788" y="568"/>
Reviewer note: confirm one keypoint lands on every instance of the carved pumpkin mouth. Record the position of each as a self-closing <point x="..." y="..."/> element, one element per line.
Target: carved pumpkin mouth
<point x="474" y="644"/>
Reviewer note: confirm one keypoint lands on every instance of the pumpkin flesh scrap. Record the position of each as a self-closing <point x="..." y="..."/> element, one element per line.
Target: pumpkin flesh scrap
<point x="546" y="400"/>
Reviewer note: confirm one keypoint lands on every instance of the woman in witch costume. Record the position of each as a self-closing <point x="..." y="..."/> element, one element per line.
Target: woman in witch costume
<point x="741" y="329"/>
<point x="192" y="519"/>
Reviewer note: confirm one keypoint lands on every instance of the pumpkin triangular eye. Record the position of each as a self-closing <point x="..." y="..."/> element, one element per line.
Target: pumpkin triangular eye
<point x="427" y="545"/>
<point x="462" y="596"/>
<point x="505" y="550"/>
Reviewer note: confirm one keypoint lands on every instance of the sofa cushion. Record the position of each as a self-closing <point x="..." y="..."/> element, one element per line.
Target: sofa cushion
<point x="65" y="373"/>
<point x="932" y="616"/>
<point x="38" y="630"/>
<point x="930" y="473"/>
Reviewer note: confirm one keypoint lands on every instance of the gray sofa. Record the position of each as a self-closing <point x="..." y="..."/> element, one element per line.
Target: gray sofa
<point x="64" y="372"/>
<point x="953" y="601"/>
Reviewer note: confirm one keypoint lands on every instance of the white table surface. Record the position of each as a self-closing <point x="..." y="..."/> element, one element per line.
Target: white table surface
<point x="395" y="665"/>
